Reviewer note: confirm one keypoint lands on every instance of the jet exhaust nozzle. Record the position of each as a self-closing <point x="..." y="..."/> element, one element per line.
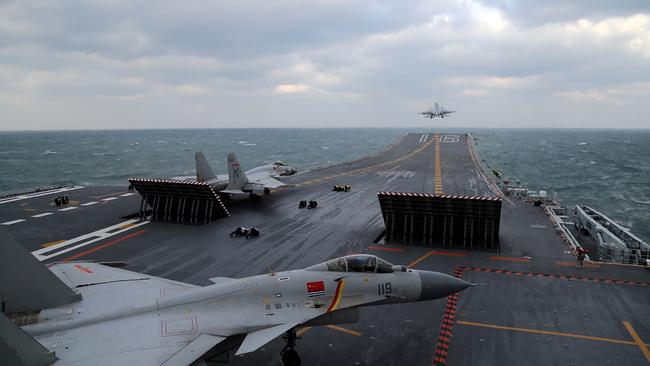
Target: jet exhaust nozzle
<point x="436" y="285"/>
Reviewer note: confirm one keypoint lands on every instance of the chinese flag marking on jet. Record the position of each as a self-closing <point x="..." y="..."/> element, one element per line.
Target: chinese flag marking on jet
<point x="316" y="288"/>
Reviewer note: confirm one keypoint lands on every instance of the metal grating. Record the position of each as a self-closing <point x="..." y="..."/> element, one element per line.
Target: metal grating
<point x="468" y="222"/>
<point x="178" y="201"/>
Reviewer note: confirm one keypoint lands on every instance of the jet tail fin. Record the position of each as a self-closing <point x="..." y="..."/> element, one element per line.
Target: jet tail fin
<point x="25" y="283"/>
<point x="19" y="348"/>
<point x="236" y="177"/>
<point x="204" y="171"/>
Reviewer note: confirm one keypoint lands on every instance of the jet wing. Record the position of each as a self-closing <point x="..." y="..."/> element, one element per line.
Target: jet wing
<point x="97" y="279"/>
<point x="183" y="178"/>
<point x="266" y="181"/>
<point x="219" y="280"/>
<point x="135" y="340"/>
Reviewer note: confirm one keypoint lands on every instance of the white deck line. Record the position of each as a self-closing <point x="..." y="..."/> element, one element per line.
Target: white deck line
<point x="43" y="214"/>
<point x="89" y="203"/>
<point x="109" y="199"/>
<point x="12" y="222"/>
<point x="38" y="194"/>
<point x="68" y="209"/>
<point x="81" y="241"/>
<point x="127" y="194"/>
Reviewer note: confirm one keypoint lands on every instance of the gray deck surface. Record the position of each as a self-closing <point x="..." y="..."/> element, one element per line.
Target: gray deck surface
<point x="560" y="314"/>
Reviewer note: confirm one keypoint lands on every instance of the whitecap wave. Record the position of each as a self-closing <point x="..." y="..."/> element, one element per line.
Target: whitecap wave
<point x="49" y="152"/>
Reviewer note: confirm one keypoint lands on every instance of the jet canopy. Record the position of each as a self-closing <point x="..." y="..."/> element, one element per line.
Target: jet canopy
<point x="279" y="162"/>
<point x="355" y="263"/>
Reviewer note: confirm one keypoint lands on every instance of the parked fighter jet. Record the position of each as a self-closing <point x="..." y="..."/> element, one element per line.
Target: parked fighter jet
<point x="83" y="313"/>
<point x="254" y="182"/>
<point x="436" y="111"/>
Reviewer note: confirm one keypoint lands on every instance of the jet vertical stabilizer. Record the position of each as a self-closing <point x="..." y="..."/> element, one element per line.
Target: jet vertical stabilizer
<point x="19" y="348"/>
<point x="204" y="171"/>
<point x="25" y="283"/>
<point x="237" y="179"/>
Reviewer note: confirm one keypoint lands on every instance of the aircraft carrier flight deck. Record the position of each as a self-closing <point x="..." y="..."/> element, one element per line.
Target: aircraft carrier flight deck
<point x="530" y="304"/>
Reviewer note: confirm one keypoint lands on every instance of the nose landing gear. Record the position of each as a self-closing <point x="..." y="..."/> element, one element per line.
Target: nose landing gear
<point x="288" y="354"/>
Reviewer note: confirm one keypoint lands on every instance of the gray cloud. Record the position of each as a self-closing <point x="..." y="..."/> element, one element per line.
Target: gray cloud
<point x="126" y="64"/>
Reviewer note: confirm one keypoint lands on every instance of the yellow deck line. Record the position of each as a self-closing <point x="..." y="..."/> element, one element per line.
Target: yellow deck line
<point x="45" y="245"/>
<point x="107" y="195"/>
<point x="550" y="332"/>
<point x="302" y="331"/>
<point x="344" y="330"/>
<point x="420" y="259"/>
<point x="437" y="166"/>
<point x="372" y="167"/>
<point x="637" y="340"/>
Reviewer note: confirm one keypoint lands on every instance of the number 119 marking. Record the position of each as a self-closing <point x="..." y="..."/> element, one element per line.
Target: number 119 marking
<point x="384" y="288"/>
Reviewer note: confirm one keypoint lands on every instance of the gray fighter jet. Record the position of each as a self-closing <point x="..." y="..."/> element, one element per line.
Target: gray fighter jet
<point x="254" y="182"/>
<point x="84" y="313"/>
<point x="436" y="111"/>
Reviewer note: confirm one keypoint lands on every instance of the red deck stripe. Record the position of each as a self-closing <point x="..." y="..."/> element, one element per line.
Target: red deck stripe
<point x="448" y="254"/>
<point x="509" y="259"/>
<point x="447" y="324"/>
<point x="100" y="247"/>
<point x="386" y="249"/>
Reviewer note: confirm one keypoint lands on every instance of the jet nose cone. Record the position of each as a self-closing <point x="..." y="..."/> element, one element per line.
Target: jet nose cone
<point x="436" y="285"/>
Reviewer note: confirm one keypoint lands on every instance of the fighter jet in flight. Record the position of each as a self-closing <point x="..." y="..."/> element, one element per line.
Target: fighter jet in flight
<point x="436" y="111"/>
<point x="84" y="313"/>
<point x="254" y="182"/>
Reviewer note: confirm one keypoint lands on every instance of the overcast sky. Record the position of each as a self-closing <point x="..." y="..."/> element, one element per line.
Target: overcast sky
<point x="172" y="64"/>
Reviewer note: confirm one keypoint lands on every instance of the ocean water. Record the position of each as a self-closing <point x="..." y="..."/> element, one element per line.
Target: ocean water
<point x="608" y="170"/>
<point x="36" y="159"/>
